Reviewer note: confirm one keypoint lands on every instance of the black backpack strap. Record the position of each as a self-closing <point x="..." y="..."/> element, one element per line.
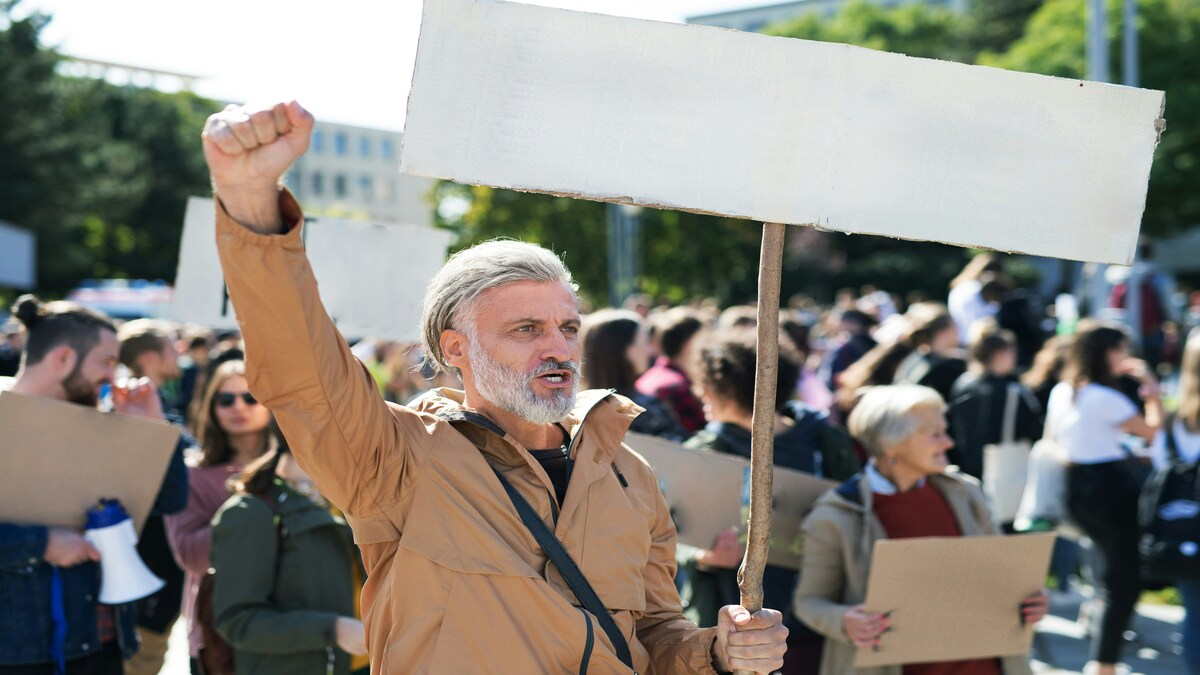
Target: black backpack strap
<point x="1168" y="428"/>
<point x="570" y="571"/>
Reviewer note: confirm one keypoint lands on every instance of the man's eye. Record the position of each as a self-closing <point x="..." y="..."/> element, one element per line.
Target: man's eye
<point x="525" y="329"/>
<point x="570" y="330"/>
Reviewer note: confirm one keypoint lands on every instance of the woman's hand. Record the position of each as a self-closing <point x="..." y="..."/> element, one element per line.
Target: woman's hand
<point x="350" y="635"/>
<point x="726" y="552"/>
<point x="1035" y="608"/>
<point x="864" y="628"/>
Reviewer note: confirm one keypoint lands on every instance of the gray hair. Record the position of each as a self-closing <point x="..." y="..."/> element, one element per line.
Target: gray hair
<point x="450" y="298"/>
<point x="882" y="417"/>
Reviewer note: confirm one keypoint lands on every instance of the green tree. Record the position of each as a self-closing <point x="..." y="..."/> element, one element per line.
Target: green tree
<point x="99" y="173"/>
<point x="915" y="30"/>
<point x="40" y="159"/>
<point x="996" y="24"/>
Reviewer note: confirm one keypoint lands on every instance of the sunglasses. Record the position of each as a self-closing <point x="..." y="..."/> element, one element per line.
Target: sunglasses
<point x="226" y="399"/>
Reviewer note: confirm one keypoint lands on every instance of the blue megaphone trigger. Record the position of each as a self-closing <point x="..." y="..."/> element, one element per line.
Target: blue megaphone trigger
<point x="107" y="513"/>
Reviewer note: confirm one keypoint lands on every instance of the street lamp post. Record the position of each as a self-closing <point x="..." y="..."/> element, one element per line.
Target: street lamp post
<point x="624" y="251"/>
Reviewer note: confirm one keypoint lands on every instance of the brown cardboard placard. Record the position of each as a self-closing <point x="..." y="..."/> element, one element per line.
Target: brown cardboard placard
<point x="704" y="490"/>
<point x="954" y="598"/>
<point x="58" y="459"/>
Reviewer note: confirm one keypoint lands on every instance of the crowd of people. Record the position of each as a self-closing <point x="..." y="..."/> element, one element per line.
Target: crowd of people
<point x="325" y="497"/>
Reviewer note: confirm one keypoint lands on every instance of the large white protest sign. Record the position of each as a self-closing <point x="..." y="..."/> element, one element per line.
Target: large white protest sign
<point x="371" y="276"/>
<point x="779" y="130"/>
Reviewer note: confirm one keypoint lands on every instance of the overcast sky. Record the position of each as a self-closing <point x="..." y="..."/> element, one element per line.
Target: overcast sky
<point x="349" y="61"/>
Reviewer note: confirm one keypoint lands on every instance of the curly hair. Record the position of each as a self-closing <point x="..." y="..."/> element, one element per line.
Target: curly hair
<point x="725" y="365"/>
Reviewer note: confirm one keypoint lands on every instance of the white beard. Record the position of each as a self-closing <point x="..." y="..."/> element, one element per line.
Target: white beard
<point x="513" y="391"/>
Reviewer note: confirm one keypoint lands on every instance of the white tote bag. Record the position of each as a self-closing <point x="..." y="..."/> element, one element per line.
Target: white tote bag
<point x="1006" y="464"/>
<point x="1044" y="501"/>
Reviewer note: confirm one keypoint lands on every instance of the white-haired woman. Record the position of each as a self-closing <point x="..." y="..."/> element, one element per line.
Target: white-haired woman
<point x="906" y="490"/>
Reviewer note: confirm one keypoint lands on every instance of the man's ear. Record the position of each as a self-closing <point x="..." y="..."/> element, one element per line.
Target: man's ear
<point x="64" y="359"/>
<point x="454" y="348"/>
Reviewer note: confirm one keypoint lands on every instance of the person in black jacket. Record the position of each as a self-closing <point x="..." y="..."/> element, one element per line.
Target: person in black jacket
<point x="979" y="399"/>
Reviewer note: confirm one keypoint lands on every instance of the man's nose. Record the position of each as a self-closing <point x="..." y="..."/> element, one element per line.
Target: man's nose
<point x="558" y="347"/>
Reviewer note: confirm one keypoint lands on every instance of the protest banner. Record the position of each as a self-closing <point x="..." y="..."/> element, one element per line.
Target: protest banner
<point x="356" y="264"/>
<point x="783" y="131"/>
<point x="779" y="130"/>
<point x="954" y="598"/>
<point x="707" y="492"/>
<point x="61" y="458"/>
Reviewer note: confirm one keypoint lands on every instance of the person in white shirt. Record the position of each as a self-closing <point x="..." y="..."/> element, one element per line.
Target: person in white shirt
<point x="1087" y="415"/>
<point x="1186" y="431"/>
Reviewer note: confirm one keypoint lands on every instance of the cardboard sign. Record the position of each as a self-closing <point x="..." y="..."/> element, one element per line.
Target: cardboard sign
<point x="59" y="459"/>
<point x="779" y="130"/>
<point x="954" y="598"/>
<point x="372" y="276"/>
<point x="707" y="490"/>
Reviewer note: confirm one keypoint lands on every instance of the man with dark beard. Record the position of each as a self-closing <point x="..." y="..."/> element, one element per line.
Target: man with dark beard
<point x="505" y="528"/>
<point x="52" y="621"/>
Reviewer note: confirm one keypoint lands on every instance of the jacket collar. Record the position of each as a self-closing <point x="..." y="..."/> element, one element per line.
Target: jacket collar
<point x="596" y="425"/>
<point x="856" y="495"/>
<point x="607" y="415"/>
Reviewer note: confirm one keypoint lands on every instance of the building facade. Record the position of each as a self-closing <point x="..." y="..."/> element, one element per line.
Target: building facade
<point x="352" y="171"/>
<point x="754" y="19"/>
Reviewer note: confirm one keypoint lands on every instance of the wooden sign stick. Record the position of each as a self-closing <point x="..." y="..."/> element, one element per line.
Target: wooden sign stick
<point x="762" y="440"/>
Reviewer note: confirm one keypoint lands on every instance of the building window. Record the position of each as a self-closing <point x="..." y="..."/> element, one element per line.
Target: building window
<point x="339" y="144"/>
<point x="386" y="149"/>
<point x="318" y="183"/>
<point x="364" y="147"/>
<point x="339" y="185"/>
<point x="318" y="141"/>
<point x="364" y="187"/>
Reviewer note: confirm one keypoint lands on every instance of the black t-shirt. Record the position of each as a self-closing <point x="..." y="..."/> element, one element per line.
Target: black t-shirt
<point x="558" y="466"/>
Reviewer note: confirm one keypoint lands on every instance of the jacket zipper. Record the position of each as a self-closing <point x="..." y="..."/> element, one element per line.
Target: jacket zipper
<point x="591" y="641"/>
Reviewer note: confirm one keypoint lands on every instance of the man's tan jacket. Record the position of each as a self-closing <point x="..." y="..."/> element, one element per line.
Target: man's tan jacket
<point x="456" y="583"/>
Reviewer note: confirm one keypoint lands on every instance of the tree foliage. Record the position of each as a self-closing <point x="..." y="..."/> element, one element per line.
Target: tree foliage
<point x="99" y="173"/>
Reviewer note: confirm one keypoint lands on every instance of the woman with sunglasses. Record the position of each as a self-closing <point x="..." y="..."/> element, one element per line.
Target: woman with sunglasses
<point x="233" y="431"/>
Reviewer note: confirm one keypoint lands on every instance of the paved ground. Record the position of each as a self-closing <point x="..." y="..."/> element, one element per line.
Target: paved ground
<point x="1060" y="646"/>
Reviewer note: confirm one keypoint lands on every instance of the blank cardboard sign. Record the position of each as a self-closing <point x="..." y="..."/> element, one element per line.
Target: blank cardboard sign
<point x="954" y="598"/>
<point x="778" y="130"/>
<point x="59" y="459"/>
<point x="705" y="491"/>
<point x="372" y="276"/>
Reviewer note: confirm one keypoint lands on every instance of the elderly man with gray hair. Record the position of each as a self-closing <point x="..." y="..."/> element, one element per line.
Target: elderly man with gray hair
<point x="908" y="489"/>
<point x="505" y="528"/>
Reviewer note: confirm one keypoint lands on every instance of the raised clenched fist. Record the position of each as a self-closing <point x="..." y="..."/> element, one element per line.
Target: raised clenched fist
<point x="248" y="150"/>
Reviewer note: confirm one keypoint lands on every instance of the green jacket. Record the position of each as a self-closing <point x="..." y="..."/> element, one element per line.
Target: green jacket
<point x="276" y="607"/>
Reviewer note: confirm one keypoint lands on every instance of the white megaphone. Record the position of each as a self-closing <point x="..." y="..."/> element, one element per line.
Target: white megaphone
<point x="123" y="576"/>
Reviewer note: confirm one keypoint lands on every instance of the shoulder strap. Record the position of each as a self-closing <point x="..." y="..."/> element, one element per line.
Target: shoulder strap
<point x="570" y="571"/>
<point x="1172" y="445"/>
<point x="1008" y="432"/>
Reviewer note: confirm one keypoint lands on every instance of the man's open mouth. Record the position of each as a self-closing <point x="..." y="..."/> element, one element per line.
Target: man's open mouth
<point x="556" y="377"/>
